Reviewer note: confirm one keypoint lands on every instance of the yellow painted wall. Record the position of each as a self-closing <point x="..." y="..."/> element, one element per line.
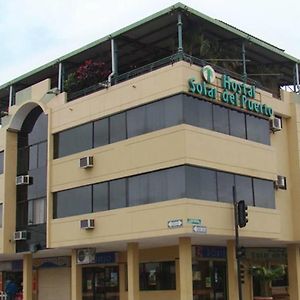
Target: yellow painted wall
<point x="60" y="278"/>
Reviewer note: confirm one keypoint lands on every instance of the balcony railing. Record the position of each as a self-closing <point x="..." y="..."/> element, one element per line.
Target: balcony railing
<point x="157" y="65"/>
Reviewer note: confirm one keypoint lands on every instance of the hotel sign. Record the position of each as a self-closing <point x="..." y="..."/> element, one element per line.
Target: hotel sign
<point x="234" y="93"/>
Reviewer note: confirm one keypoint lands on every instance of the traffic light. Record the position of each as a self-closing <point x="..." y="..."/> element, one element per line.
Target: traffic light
<point x="242" y="273"/>
<point x="240" y="252"/>
<point x="242" y="214"/>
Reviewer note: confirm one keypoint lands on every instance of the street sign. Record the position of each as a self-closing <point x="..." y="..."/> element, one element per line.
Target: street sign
<point x="194" y="221"/>
<point x="200" y="229"/>
<point x="175" y="223"/>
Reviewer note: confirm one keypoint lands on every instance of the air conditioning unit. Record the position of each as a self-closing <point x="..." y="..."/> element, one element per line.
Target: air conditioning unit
<point x="86" y="162"/>
<point x="87" y="224"/>
<point x="86" y="256"/>
<point x="23" y="180"/>
<point x="20" y="235"/>
<point x="275" y="124"/>
<point x="280" y="183"/>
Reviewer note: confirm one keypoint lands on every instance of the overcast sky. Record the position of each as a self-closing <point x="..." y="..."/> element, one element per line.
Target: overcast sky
<point x="34" y="32"/>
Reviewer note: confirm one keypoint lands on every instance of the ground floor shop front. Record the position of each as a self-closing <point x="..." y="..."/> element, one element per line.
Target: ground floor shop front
<point x="181" y="272"/>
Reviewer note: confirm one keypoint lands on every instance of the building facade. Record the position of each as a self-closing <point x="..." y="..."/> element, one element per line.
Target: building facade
<point x="122" y="188"/>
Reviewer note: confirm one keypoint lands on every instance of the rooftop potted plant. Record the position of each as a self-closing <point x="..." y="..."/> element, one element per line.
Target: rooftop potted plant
<point x="265" y="275"/>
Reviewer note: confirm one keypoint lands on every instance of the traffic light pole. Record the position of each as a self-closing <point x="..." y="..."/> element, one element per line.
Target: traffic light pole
<point x="237" y="243"/>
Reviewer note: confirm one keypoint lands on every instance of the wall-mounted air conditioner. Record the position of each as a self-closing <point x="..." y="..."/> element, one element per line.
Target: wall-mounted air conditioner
<point x="275" y="124"/>
<point x="86" y="162"/>
<point x="86" y="256"/>
<point x="20" y="235"/>
<point x="280" y="183"/>
<point x="87" y="224"/>
<point x="23" y="180"/>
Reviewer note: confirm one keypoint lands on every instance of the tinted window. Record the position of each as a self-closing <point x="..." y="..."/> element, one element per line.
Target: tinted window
<point x="237" y="124"/>
<point x="264" y="194"/>
<point x="155" y="118"/>
<point x="136" y="121"/>
<point x="225" y="185"/>
<point x="201" y="183"/>
<point x="74" y="140"/>
<point x="221" y="119"/>
<point x="175" y="181"/>
<point x="38" y="187"/>
<point x="173" y="110"/>
<point x="101" y="133"/>
<point x="117" y="193"/>
<point x="117" y="127"/>
<point x="39" y="131"/>
<point x="33" y="157"/>
<point x="244" y="189"/>
<point x="100" y="196"/>
<point x="73" y="202"/>
<point x="42" y="154"/>
<point x="198" y="113"/>
<point x="1" y="161"/>
<point x="258" y="129"/>
<point x="157" y="186"/>
<point x="138" y="190"/>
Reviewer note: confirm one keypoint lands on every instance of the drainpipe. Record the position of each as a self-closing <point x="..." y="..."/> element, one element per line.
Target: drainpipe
<point x="244" y="62"/>
<point x="297" y="78"/>
<point x="11" y="96"/>
<point x="60" y="77"/>
<point x="113" y="62"/>
<point x="179" y="29"/>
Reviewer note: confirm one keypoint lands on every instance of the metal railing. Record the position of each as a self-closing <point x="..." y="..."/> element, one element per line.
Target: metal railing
<point x="169" y="60"/>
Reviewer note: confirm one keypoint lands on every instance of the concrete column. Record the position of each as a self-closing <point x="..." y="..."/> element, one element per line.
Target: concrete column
<point x="185" y="268"/>
<point x="76" y="278"/>
<point x="27" y="277"/>
<point x="294" y="272"/>
<point x="232" y="271"/>
<point x="122" y="287"/>
<point x="133" y="271"/>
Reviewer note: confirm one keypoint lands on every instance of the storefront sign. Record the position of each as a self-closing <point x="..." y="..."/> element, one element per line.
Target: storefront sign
<point x="52" y="262"/>
<point x="210" y="252"/>
<point x="175" y="223"/>
<point x="266" y="254"/>
<point x="200" y="229"/>
<point x="106" y="258"/>
<point x="194" y="221"/>
<point x="234" y="93"/>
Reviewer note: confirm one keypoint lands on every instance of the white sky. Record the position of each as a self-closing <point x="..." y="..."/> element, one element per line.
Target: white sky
<point x="34" y="32"/>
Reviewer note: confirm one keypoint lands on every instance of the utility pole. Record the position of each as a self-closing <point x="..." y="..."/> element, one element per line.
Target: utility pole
<point x="240" y="220"/>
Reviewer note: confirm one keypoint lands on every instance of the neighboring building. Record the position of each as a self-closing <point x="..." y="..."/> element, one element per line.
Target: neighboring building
<point x="123" y="189"/>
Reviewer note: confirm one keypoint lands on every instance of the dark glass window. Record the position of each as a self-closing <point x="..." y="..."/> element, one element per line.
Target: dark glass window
<point x="201" y="183"/>
<point x="138" y="190"/>
<point x="225" y="186"/>
<point x="173" y="110"/>
<point x="1" y="215"/>
<point x="36" y="211"/>
<point x="33" y="157"/>
<point x="244" y="190"/>
<point x="264" y="194"/>
<point x="136" y="121"/>
<point x="237" y="123"/>
<point x="100" y="196"/>
<point x="176" y="182"/>
<point x="118" y="127"/>
<point x="38" y="187"/>
<point x="155" y="118"/>
<point x="74" y="140"/>
<point x="40" y="129"/>
<point x="117" y="193"/>
<point x="258" y="130"/>
<point x="157" y="276"/>
<point x="221" y="119"/>
<point x="1" y="161"/>
<point x="42" y="154"/>
<point x="101" y="132"/>
<point x="198" y="112"/>
<point x="72" y="202"/>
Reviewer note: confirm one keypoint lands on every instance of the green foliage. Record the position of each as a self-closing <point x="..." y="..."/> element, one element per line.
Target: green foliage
<point x="266" y="275"/>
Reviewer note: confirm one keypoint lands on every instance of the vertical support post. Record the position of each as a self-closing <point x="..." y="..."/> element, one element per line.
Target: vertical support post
<point x="294" y="271"/>
<point x="133" y="271"/>
<point x="27" y="276"/>
<point x="232" y="271"/>
<point x="185" y="268"/>
<point x="122" y="280"/>
<point x="61" y="76"/>
<point x="297" y="78"/>
<point x="11" y="96"/>
<point x="179" y="30"/>
<point x="76" y="278"/>
<point x="244" y="62"/>
<point x="113" y="61"/>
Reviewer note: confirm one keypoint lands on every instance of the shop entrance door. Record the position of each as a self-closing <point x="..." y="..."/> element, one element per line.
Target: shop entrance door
<point x="209" y="280"/>
<point x="100" y="283"/>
